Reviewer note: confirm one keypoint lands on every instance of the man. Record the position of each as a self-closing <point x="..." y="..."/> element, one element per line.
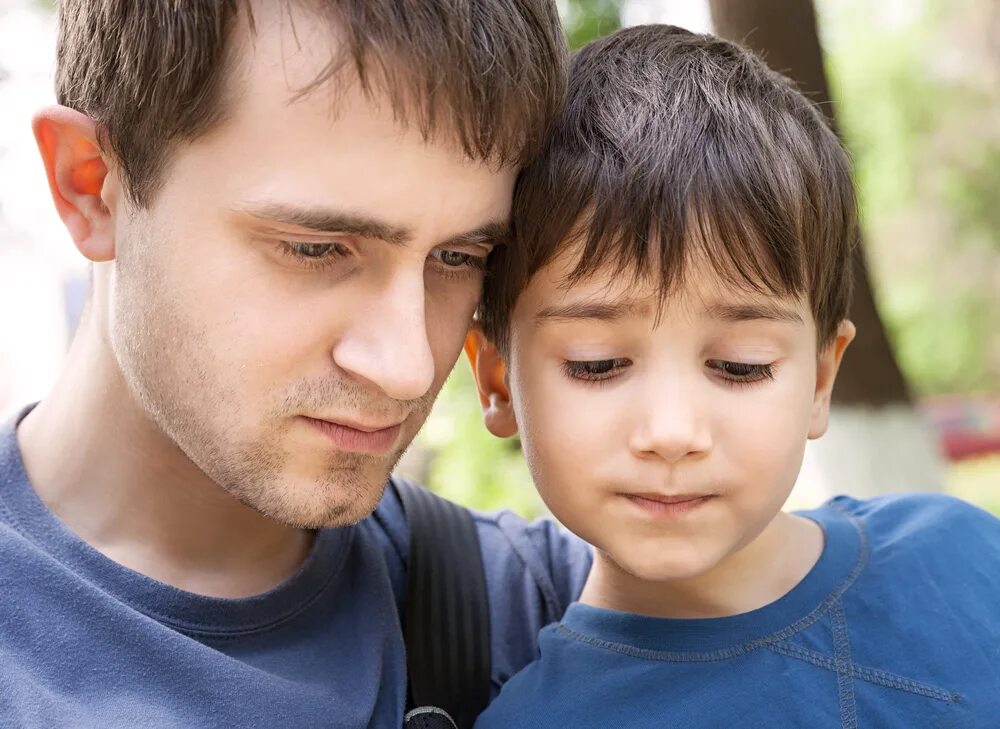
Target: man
<point x="288" y="207"/>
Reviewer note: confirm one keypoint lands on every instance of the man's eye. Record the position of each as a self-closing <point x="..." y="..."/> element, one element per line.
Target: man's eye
<point x="741" y="372"/>
<point x="458" y="259"/>
<point x="594" y="370"/>
<point x="313" y="256"/>
<point x="314" y="250"/>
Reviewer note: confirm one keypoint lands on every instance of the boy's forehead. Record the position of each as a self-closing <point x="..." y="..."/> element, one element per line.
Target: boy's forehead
<point x="609" y="293"/>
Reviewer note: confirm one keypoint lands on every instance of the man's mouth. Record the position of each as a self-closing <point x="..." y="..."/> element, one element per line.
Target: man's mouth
<point x="358" y="437"/>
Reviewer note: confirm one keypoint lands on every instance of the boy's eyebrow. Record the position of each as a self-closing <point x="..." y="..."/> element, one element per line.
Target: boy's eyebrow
<point x="600" y="310"/>
<point x="750" y="312"/>
<point x="325" y="220"/>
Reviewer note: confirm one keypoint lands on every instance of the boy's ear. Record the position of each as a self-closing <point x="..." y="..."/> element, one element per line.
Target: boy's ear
<point x="826" y="373"/>
<point x="76" y="170"/>
<point x="491" y="381"/>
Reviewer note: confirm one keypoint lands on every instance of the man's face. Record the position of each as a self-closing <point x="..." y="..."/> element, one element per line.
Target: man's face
<point x="290" y="303"/>
<point x="670" y="437"/>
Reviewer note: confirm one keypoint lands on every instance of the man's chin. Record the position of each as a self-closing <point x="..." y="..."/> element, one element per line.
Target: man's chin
<point x="312" y="511"/>
<point x="312" y="504"/>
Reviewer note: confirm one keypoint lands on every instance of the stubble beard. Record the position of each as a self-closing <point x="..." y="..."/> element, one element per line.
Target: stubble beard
<point x="168" y="364"/>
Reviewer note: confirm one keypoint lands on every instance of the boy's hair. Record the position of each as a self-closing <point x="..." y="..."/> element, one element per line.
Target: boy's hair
<point x="674" y="145"/>
<point x="153" y="73"/>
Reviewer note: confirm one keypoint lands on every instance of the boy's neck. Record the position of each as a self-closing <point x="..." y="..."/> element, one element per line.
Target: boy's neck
<point x="757" y="575"/>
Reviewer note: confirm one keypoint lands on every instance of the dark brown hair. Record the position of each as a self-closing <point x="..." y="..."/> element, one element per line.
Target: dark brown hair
<point x="152" y="72"/>
<point x="673" y="144"/>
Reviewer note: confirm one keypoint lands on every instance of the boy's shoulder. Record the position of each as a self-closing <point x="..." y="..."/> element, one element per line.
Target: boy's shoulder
<point x="920" y="517"/>
<point x="923" y="531"/>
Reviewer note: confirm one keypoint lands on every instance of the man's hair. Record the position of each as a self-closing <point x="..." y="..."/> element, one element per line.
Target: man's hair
<point x="152" y="73"/>
<point x="674" y="145"/>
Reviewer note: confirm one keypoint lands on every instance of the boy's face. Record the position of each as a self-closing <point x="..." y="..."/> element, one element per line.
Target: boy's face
<point x="666" y="437"/>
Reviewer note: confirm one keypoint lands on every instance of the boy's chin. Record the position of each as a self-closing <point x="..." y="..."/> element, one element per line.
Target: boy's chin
<point x="682" y="564"/>
<point x="669" y="573"/>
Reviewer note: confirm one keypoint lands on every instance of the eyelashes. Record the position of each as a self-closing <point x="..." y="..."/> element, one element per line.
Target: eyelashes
<point x="594" y="370"/>
<point x="732" y="373"/>
<point x="314" y="255"/>
<point x="741" y="373"/>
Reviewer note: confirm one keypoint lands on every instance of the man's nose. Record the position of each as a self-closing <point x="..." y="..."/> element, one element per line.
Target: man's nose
<point x="387" y="344"/>
<point x="672" y="422"/>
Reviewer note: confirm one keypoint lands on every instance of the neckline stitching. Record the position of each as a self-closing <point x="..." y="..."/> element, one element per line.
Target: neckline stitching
<point x="723" y="654"/>
<point x="202" y="629"/>
<point x="41" y="541"/>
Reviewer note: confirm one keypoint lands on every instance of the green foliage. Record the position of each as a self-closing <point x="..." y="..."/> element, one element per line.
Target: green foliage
<point x="585" y="20"/>
<point x="918" y="98"/>
<point x="470" y="465"/>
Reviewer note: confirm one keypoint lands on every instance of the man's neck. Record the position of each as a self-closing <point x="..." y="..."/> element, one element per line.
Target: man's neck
<point x="106" y="470"/>
<point x="757" y="575"/>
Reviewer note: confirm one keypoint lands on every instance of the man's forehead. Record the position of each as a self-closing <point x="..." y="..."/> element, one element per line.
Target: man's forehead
<point x="297" y="54"/>
<point x="282" y="48"/>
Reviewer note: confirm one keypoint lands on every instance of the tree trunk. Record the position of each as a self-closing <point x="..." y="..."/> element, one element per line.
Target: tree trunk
<point x="784" y="33"/>
<point x="876" y="442"/>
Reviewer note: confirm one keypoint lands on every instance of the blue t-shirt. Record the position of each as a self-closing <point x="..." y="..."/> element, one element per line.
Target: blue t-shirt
<point x="897" y="625"/>
<point x="85" y="642"/>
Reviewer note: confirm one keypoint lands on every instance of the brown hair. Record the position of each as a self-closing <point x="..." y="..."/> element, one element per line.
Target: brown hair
<point x="151" y="73"/>
<point x="673" y="144"/>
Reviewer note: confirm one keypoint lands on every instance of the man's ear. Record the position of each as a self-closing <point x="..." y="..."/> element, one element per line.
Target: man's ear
<point x="76" y="169"/>
<point x="826" y="373"/>
<point x="491" y="381"/>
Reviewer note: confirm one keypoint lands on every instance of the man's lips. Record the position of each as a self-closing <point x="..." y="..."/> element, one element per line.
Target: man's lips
<point x="668" y="505"/>
<point x="356" y="437"/>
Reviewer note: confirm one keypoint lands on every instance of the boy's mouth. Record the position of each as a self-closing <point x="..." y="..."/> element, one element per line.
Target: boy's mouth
<point x="668" y="505"/>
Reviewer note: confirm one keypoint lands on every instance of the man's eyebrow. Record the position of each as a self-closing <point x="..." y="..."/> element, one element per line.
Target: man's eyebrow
<point x="495" y="232"/>
<point x="599" y="310"/>
<point x="324" y="220"/>
<point x="752" y="312"/>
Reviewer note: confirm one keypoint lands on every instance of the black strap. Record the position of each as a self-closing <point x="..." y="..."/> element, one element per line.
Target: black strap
<point x="446" y="620"/>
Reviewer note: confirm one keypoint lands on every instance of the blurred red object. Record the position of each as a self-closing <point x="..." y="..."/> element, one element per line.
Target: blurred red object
<point x="967" y="425"/>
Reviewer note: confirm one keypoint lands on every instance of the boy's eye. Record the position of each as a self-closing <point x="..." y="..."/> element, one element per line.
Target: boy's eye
<point x="741" y="372"/>
<point x="592" y="370"/>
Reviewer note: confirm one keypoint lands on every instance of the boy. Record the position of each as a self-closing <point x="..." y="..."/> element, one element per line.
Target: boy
<point x="288" y="206"/>
<point x="667" y="336"/>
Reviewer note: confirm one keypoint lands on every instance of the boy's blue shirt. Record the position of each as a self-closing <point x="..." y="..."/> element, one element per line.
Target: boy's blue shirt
<point x="897" y="625"/>
<point x="85" y="642"/>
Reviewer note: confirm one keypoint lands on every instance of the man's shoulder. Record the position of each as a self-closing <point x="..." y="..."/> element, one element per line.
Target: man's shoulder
<point x="533" y="570"/>
<point x="512" y="549"/>
<point x="13" y="479"/>
<point x="556" y="560"/>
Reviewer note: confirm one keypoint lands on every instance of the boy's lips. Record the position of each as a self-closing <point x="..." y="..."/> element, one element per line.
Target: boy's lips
<point x="668" y="505"/>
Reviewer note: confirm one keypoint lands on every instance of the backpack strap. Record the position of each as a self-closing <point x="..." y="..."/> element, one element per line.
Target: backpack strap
<point x="446" y="617"/>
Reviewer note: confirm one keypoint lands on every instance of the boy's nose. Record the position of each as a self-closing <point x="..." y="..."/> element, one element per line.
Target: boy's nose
<point x="671" y="426"/>
<point x="388" y="345"/>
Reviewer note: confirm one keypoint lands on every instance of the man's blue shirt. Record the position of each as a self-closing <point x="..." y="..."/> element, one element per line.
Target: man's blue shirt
<point x="85" y="642"/>
<point x="897" y="625"/>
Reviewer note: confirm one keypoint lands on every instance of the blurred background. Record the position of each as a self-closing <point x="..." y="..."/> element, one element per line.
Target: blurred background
<point x="913" y="87"/>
